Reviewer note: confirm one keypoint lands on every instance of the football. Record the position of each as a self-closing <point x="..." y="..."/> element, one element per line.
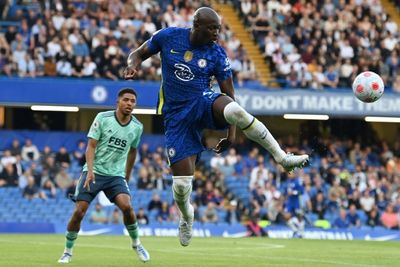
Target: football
<point x="368" y="86"/>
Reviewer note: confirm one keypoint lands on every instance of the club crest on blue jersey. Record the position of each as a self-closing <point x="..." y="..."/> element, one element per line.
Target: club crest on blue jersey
<point x="202" y="63"/>
<point x="183" y="72"/>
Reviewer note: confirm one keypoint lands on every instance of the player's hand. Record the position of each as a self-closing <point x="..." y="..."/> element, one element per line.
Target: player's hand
<point x="222" y="145"/>
<point x="89" y="178"/>
<point x="129" y="72"/>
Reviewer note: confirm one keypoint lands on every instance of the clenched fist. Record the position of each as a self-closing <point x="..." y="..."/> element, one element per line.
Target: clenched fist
<point x="130" y="72"/>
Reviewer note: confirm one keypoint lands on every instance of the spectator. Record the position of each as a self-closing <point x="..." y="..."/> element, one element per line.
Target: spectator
<point x="79" y="153"/>
<point x="259" y="175"/>
<point x="7" y="159"/>
<point x="367" y="201"/>
<point x="155" y="203"/>
<point x="319" y="205"/>
<point x="63" y="180"/>
<point x="233" y="214"/>
<point x="342" y="221"/>
<point x="15" y="148"/>
<point x="32" y="191"/>
<point x="9" y="176"/>
<point x="62" y="157"/>
<point x="144" y="152"/>
<point x="89" y="68"/>
<point x="141" y="217"/>
<point x="159" y="182"/>
<point x="389" y="218"/>
<point x="352" y="217"/>
<point x="98" y="216"/>
<point x="144" y="182"/>
<point x="373" y="218"/>
<point x="210" y="214"/>
<point x="63" y="67"/>
<point x="115" y="217"/>
<point x="29" y="151"/>
<point x="49" y="189"/>
<point x="163" y="213"/>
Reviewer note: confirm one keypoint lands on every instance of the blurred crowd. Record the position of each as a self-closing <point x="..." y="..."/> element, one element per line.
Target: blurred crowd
<point x="324" y="44"/>
<point x="347" y="184"/>
<point x="92" y="39"/>
<point x="308" y="43"/>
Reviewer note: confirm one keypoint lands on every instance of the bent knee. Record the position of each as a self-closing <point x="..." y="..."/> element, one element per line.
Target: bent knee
<point x="235" y="114"/>
<point x="182" y="184"/>
<point x="126" y="209"/>
<point x="79" y="213"/>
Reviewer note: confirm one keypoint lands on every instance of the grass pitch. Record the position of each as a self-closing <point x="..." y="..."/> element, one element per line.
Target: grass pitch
<point x="109" y="251"/>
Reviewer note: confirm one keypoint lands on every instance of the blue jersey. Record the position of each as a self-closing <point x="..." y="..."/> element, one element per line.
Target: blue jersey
<point x="186" y="69"/>
<point x="295" y="189"/>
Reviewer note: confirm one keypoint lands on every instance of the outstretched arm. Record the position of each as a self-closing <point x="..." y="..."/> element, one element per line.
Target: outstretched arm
<point x="135" y="59"/>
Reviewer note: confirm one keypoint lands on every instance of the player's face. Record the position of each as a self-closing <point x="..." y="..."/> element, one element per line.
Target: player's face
<point x="209" y="30"/>
<point x="126" y="103"/>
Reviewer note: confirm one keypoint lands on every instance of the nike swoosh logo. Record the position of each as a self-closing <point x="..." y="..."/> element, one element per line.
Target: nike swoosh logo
<point x="264" y="135"/>
<point x="174" y="52"/>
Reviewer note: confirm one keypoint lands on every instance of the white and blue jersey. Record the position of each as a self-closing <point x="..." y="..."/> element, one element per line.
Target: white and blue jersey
<point x="185" y="98"/>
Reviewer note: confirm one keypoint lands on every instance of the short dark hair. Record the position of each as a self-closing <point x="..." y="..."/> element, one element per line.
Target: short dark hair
<point x="127" y="90"/>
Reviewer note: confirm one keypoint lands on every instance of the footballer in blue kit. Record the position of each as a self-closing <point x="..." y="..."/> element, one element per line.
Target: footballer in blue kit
<point x="190" y="59"/>
<point x="185" y="96"/>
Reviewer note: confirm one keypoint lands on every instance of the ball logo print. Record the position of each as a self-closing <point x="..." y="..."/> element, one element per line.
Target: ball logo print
<point x="368" y="87"/>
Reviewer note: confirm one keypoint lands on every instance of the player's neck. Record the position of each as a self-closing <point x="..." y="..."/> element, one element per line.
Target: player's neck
<point x="122" y="118"/>
<point x="195" y="39"/>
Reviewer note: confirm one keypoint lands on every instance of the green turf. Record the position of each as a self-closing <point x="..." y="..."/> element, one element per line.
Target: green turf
<point x="108" y="251"/>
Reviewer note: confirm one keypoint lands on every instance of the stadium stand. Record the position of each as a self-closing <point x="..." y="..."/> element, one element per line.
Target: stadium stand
<point x="307" y="44"/>
<point x="358" y="180"/>
<point x="323" y="44"/>
<point x="80" y="39"/>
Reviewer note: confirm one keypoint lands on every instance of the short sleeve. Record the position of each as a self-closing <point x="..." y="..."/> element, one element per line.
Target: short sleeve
<point x="136" y="141"/>
<point x="156" y="41"/>
<point x="223" y="67"/>
<point x="95" y="129"/>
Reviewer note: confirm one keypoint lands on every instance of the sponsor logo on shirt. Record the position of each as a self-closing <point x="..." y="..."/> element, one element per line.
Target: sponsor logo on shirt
<point x="183" y="72"/>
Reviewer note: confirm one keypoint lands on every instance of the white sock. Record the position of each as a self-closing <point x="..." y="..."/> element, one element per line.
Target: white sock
<point x="68" y="250"/>
<point x="253" y="129"/>
<point x="182" y="189"/>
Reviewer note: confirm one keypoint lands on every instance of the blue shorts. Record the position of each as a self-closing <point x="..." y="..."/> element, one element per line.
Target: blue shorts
<point x="110" y="185"/>
<point x="184" y="126"/>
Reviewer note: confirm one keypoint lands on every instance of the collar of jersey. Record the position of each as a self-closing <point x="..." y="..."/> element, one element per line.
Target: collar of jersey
<point x="123" y="125"/>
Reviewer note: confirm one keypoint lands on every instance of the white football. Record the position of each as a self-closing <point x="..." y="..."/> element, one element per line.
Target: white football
<point x="368" y="86"/>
